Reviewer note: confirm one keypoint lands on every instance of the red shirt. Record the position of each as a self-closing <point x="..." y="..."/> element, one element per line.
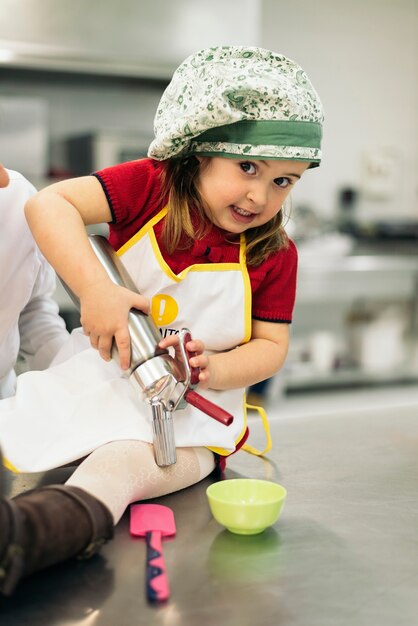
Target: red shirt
<point x="133" y="191"/>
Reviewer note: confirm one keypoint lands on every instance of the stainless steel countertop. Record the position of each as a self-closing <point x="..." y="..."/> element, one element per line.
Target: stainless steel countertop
<point x="343" y="553"/>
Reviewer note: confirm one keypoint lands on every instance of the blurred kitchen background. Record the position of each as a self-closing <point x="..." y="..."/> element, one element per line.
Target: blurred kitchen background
<point x="79" y="84"/>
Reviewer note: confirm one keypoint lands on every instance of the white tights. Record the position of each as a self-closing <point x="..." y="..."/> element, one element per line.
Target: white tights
<point x="122" y="472"/>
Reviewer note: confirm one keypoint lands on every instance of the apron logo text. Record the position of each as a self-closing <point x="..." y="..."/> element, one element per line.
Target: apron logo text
<point x="166" y="332"/>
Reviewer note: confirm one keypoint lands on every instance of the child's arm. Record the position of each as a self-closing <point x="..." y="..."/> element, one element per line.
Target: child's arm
<point x="57" y="216"/>
<point x="260" y="358"/>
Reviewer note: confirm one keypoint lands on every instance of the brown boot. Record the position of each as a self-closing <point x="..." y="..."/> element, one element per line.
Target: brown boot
<point x="48" y="525"/>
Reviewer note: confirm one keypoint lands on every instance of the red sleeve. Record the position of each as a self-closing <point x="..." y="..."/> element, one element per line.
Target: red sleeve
<point x="133" y="190"/>
<point x="274" y="286"/>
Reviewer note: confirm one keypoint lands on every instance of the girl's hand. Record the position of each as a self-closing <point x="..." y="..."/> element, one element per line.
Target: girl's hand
<point x="104" y="316"/>
<point x="199" y="358"/>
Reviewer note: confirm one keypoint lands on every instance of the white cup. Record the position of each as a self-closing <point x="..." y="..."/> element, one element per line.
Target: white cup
<point x="323" y="350"/>
<point x="382" y="347"/>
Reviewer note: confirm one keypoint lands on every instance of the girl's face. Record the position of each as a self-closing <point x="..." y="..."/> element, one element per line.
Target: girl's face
<point x="242" y="193"/>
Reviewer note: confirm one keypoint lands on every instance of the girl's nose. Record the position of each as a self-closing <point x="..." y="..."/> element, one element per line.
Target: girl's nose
<point x="257" y="194"/>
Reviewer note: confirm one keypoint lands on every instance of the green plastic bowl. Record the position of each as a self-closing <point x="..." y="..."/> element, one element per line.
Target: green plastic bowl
<point x="246" y="506"/>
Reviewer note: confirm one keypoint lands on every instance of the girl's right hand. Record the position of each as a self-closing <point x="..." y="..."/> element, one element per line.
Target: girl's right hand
<point x="104" y="317"/>
<point x="199" y="359"/>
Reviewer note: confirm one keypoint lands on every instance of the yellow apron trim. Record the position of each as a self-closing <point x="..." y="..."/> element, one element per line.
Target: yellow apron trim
<point x="10" y="467"/>
<point x="247" y="290"/>
<point x="222" y="451"/>
<point x="266" y="425"/>
<point x="209" y="267"/>
<point x="149" y="225"/>
<point x="197" y="267"/>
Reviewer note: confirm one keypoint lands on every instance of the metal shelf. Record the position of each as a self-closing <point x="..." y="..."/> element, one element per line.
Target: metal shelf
<point x="344" y="278"/>
<point x="348" y="377"/>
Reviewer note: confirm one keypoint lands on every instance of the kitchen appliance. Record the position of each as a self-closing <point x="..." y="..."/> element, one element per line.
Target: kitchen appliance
<point x="24" y="136"/>
<point x="154" y="521"/>
<point x="165" y="383"/>
<point x="94" y="151"/>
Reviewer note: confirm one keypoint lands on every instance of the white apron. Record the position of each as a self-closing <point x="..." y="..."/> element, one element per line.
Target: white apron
<point x="62" y="414"/>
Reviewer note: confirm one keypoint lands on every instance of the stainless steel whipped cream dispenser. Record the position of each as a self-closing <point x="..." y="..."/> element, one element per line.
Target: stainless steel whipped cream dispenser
<point x="163" y="381"/>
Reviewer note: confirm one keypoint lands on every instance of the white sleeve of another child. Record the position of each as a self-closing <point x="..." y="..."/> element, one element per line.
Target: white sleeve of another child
<point x="42" y="330"/>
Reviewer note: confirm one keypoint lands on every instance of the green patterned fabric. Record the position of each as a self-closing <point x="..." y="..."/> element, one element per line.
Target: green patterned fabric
<point x="237" y="101"/>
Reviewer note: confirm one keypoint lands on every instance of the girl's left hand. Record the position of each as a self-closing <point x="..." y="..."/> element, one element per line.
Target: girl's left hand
<point x="199" y="359"/>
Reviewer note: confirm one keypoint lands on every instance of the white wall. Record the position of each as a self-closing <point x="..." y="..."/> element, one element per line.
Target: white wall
<point x="362" y="57"/>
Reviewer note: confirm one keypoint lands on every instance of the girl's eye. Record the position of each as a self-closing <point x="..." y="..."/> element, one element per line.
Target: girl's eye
<point x="283" y="182"/>
<point x="248" y="167"/>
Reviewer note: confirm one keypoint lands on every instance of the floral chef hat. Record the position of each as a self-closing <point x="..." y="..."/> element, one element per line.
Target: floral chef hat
<point x="239" y="101"/>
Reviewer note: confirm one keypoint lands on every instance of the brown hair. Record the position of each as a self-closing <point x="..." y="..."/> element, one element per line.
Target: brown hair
<point x="179" y="180"/>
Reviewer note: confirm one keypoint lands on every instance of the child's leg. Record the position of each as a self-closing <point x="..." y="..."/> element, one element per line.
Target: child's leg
<point x="48" y="525"/>
<point x="122" y="472"/>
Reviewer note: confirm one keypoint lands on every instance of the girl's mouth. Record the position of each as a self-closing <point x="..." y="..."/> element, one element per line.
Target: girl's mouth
<point x="242" y="216"/>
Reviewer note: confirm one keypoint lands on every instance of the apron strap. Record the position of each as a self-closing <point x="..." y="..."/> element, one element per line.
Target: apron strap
<point x="6" y="463"/>
<point x="266" y="426"/>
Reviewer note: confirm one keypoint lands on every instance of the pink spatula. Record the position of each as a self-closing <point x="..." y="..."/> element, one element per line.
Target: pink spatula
<point x="154" y="521"/>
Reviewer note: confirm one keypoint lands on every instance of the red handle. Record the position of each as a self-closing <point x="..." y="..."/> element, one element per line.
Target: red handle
<point x="208" y="407"/>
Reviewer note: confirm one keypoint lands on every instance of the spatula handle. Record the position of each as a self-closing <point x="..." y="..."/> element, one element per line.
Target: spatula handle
<point x="156" y="577"/>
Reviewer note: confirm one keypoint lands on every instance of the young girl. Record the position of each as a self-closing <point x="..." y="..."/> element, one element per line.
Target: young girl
<point x="199" y="226"/>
